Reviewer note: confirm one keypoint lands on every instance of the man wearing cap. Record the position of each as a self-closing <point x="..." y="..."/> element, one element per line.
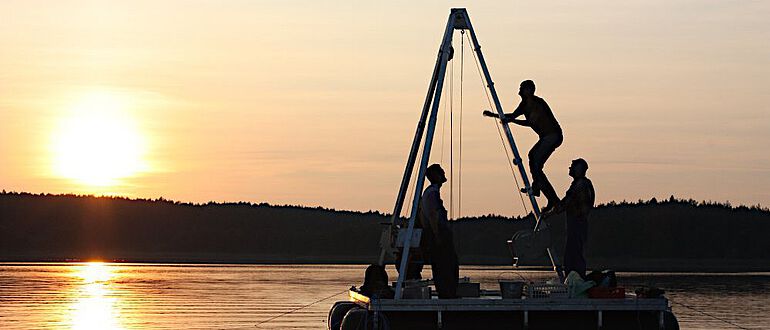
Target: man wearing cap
<point x="438" y="236"/>
<point x="538" y="115"/>
<point x="578" y="202"/>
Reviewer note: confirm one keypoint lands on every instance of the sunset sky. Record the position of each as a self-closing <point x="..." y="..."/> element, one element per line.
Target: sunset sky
<point x="316" y="102"/>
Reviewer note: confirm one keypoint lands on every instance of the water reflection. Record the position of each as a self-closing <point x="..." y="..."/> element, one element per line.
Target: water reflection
<point x="96" y="306"/>
<point x="141" y="296"/>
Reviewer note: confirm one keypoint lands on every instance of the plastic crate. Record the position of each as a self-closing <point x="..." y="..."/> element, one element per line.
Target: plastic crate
<point x="547" y="291"/>
<point x="607" y="293"/>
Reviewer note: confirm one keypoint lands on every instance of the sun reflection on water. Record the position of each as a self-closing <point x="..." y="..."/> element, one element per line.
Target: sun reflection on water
<point x="96" y="306"/>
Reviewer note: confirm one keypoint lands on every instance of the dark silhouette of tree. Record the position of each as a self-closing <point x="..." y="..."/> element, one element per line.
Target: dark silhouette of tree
<point x="666" y="234"/>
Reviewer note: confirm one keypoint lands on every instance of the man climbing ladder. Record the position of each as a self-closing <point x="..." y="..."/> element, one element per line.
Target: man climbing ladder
<point x="538" y="115"/>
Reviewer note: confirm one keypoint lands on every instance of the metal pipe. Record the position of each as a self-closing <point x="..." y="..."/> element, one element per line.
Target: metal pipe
<point x="444" y="53"/>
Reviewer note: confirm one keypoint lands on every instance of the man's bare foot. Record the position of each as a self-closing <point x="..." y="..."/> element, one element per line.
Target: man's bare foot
<point x="535" y="193"/>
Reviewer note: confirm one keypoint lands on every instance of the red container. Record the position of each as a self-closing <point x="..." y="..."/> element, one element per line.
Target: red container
<point x="607" y="293"/>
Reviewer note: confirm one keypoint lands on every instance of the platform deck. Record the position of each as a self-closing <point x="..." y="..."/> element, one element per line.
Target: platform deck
<point x="496" y="303"/>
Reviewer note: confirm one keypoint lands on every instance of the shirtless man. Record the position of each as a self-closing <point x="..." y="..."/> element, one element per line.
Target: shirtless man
<point x="540" y="118"/>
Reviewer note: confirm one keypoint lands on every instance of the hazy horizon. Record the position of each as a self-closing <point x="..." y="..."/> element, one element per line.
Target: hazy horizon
<point x="312" y="103"/>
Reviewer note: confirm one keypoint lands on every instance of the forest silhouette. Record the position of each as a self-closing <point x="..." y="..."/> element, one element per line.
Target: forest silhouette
<point x="651" y="235"/>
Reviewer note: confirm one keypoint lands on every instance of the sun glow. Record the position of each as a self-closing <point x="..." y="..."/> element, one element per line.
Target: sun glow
<point x="96" y="306"/>
<point x="94" y="272"/>
<point x="98" y="143"/>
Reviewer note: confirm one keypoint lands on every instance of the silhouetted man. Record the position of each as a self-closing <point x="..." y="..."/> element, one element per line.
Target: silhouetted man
<point x="438" y="236"/>
<point x="577" y="202"/>
<point x="538" y="115"/>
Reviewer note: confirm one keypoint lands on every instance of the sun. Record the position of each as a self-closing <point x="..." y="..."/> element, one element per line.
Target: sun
<point x="97" y="142"/>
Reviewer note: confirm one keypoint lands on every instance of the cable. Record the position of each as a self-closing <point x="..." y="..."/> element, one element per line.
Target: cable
<point x="451" y="137"/>
<point x="510" y="165"/>
<point x="443" y="126"/>
<point x="497" y="125"/>
<point x="460" y="160"/>
<point x="413" y="184"/>
<point x="408" y="201"/>
<point x="301" y="307"/>
<point x="709" y="315"/>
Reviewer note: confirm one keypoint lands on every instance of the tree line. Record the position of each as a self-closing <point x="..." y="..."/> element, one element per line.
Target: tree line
<point x="672" y="234"/>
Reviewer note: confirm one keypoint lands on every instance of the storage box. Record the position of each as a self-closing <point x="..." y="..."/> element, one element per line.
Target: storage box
<point x="598" y="292"/>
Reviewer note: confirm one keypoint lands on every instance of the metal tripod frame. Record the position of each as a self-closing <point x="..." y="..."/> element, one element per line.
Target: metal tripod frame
<point x="458" y="20"/>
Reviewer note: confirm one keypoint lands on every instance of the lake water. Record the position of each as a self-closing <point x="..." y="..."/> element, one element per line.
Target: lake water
<point x="171" y="296"/>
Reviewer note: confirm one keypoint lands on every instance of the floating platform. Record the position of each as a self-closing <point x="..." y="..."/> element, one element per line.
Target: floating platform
<point x="491" y="311"/>
<point x="484" y="309"/>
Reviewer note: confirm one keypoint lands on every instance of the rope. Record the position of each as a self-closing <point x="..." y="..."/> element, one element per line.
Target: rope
<point x="301" y="307"/>
<point x="451" y="138"/>
<point x="443" y="126"/>
<point x="707" y="314"/>
<point x="460" y="164"/>
<point x="499" y="133"/>
<point x="413" y="183"/>
<point x="408" y="200"/>
<point x="510" y="165"/>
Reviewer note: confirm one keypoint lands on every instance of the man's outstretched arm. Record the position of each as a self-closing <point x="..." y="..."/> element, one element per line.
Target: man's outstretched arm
<point x="508" y="118"/>
<point x="575" y="194"/>
<point x="492" y="114"/>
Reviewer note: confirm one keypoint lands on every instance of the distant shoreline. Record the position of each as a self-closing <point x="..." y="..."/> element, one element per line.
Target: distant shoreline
<point x="646" y="266"/>
<point x="648" y="236"/>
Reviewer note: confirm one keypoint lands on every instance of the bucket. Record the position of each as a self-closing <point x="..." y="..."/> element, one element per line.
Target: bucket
<point x="511" y="290"/>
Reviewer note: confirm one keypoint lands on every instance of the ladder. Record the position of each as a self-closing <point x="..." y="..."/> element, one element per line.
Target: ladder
<point x="458" y="20"/>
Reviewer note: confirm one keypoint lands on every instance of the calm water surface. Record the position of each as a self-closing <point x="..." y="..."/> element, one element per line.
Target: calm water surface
<point x="165" y="296"/>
